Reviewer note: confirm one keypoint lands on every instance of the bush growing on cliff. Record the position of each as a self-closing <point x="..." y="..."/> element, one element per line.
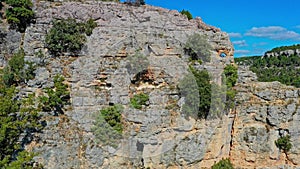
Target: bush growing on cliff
<point x="68" y="36"/>
<point x="19" y="118"/>
<point x="107" y="126"/>
<point x="19" y="15"/>
<point x="138" y="100"/>
<point x="197" y="47"/>
<point x="56" y="97"/>
<point x="196" y="97"/>
<point x="230" y="72"/>
<point x="223" y="164"/>
<point x="187" y="14"/>
<point x="284" y="143"/>
<point x="18" y="70"/>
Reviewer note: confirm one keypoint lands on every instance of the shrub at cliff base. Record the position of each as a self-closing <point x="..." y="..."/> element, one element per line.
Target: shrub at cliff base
<point x="223" y="164"/>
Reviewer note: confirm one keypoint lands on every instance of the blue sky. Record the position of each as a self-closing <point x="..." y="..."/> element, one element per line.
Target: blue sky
<point x="254" y="26"/>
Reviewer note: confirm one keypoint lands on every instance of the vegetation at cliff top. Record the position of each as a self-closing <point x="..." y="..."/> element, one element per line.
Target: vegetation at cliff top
<point x="283" y="48"/>
<point x="187" y="14"/>
<point x="284" y="69"/>
<point x="68" y="36"/>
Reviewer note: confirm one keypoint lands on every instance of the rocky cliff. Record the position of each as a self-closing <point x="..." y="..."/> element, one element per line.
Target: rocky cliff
<point x="265" y="111"/>
<point x="156" y="136"/>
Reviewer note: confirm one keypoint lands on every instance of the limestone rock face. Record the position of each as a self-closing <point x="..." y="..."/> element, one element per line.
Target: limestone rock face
<point x="10" y="42"/>
<point x="157" y="135"/>
<point x="264" y="112"/>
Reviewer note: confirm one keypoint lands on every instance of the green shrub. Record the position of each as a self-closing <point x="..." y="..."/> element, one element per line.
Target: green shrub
<point x="107" y="126"/>
<point x="223" y="164"/>
<point x="138" y="100"/>
<point x="197" y="47"/>
<point x="284" y="143"/>
<point x="203" y="81"/>
<point x="67" y="36"/>
<point x="231" y="74"/>
<point x="56" y="97"/>
<point x="197" y="98"/>
<point x="190" y="91"/>
<point x="18" y="119"/>
<point x="187" y="14"/>
<point x="18" y="70"/>
<point x="230" y="71"/>
<point x="90" y="25"/>
<point x="19" y="15"/>
<point x="24" y="160"/>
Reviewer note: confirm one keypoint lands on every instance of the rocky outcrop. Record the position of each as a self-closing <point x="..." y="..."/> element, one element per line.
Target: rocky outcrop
<point x="264" y="112"/>
<point x="283" y="53"/>
<point x="157" y="136"/>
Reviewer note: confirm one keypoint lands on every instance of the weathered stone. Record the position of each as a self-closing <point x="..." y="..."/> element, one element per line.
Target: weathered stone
<point x="191" y="149"/>
<point x="10" y="40"/>
<point x="264" y="111"/>
<point x="41" y="79"/>
<point x="157" y="136"/>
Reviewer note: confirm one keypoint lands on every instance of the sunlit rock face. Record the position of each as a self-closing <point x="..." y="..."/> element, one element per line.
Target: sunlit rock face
<point x="158" y="135"/>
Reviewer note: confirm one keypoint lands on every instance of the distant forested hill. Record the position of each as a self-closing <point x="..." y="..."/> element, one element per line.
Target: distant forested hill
<point x="283" y="68"/>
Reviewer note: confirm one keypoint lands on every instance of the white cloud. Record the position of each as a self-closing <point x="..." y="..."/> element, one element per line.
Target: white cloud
<point x="241" y="51"/>
<point x="240" y="43"/>
<point x="235" y="35"/>
<point x="273" y="32"/>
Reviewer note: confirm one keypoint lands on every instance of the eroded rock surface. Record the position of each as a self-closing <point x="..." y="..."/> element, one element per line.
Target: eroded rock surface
<point x="264" y="112"/>
<point x="158" y="135"/>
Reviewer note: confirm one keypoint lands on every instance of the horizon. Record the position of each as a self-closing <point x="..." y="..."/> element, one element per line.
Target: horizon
<point x="254" y="26"/>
